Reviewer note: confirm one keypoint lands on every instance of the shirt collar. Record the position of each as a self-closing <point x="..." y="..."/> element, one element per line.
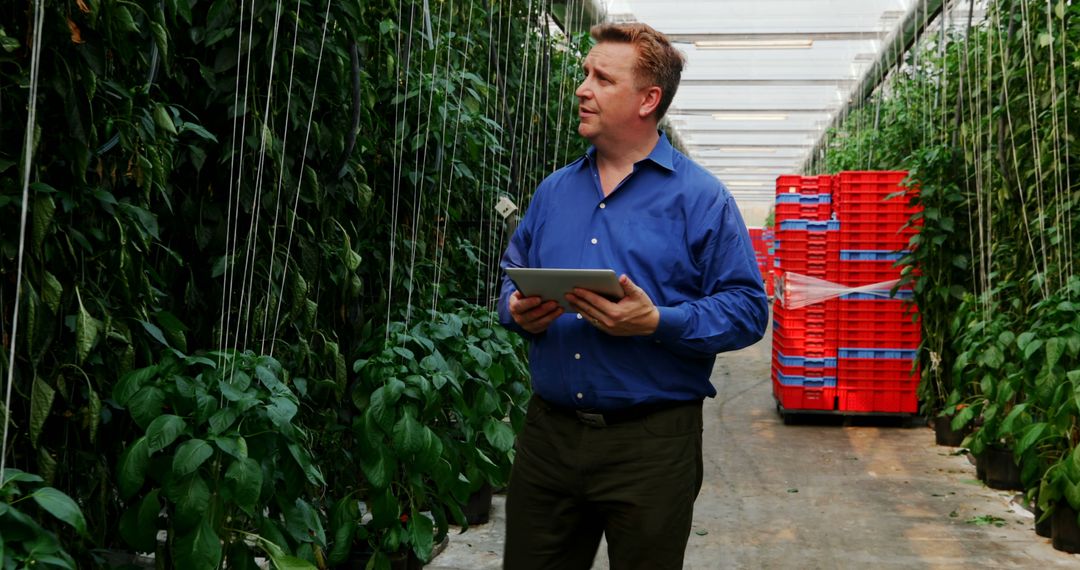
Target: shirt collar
<point x="662" y="154"/>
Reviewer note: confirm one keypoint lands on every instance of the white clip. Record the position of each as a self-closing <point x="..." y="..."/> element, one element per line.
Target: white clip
<point x="505" y="207"/>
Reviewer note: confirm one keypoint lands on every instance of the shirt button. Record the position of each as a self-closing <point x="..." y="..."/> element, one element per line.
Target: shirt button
<point x="603" y="205"/>
<point x="579" y="315"/>
<point x="580" y="395"/>
<point x="577" y="356"/>
<point x="594" y="242"/>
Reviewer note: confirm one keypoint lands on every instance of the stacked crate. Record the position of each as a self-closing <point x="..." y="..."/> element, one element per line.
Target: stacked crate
<point x="878" y="336"/>
<point x="762" y="240"/>
<point x="804" y="371"/>
<point x="855" y="353"/>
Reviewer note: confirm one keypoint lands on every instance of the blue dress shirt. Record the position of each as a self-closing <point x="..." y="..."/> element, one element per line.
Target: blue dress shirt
<point x="675" y="230"/>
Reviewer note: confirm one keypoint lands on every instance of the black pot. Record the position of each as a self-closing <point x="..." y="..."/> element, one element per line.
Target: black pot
<point x="945" y="435"/>
<point x="1065" y="532"/>
<point x="1000" y="469"/>
<point x="478" y="509"/>
<point x="1043" y="528"/>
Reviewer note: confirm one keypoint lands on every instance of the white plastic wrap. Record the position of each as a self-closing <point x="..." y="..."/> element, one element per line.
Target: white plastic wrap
<point x="798" y="291"/>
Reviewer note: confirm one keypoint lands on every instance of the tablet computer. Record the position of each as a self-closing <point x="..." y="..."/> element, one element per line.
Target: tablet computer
<point x="554" y="284"/>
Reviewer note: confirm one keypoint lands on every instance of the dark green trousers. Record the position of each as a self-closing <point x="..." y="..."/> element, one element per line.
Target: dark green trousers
<point x="634" y="482"/>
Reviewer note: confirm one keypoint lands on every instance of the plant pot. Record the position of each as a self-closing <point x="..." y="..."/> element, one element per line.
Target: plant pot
<point x="1065" y="532"/>
<point x="478" y="509"/>
<point x="1044" y="528"/>
<point x="1001" y="472"/>
<point x="945" y="435"/>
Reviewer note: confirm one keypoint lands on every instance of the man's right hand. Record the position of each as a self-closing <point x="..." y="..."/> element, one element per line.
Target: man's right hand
<point x="533" y="313"/>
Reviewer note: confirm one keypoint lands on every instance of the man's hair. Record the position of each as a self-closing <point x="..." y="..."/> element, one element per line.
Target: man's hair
<point x="658" y="62"/>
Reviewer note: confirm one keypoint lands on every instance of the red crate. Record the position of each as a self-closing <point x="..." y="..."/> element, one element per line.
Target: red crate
<point x="794" y="398"/>
<point x="794" y="184"/>
<point x="880" y="396"/>
<point x="859" y="273"/>
<point x="869" y="309"/>
<point x="893" y="177"/>
<point x="852" y="335"/>
<point x="876" y="368"/>
<point x="816" y="345"/>
<point x="856" y="238"/>
<point x="882" y="218"/>
<point x="817" y="212"/>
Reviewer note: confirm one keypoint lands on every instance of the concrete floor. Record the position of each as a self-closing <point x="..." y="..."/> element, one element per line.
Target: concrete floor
<point x="826" y="494"/>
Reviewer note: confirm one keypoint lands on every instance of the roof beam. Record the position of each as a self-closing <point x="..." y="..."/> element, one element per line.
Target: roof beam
<point x="842" y="83"/>
<point x="781" y="36"/>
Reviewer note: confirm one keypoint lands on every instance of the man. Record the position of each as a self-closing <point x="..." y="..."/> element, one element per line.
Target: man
<point x="612" y="442"/>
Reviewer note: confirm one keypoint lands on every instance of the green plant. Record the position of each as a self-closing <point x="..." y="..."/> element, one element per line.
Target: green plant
<point x="430" y="429"/>
<point x="217" y="449"/>
<point x="25" y="542"/>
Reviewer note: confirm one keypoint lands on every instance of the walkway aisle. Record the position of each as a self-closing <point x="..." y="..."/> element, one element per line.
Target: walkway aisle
<point x="822" y="496"/>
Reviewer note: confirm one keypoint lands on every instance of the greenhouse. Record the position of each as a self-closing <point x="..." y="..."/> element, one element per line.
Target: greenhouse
<point x="472" y="284"/>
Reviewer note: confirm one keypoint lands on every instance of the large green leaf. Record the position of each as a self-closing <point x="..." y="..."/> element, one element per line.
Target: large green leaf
<point x="51" y="292"/>
<point x="132" y="470"/>
<point x="245" y="479"/>
<point x="281" y="410"/>
<point x="1054" y="349"/>
<point x="41" y="401"/>
<point x="146" y="405"/>
<point x="197" y="549"/>
<point x="190" y="455"/>
<point x="139" y="524"/>
<point x="304" y="524"/>
<point x="87" y="330"/>
<point x="421" y="534"/>
<point x="222" y="420"/>
<point x="303" y="459"/>
<point x="378" y="467"/>
<point x="62" y="507"/>
<point x="191" y="495"/>
<point x="499" y="434"/>
<point x="131" y="383"/>
<point x="163" y="431"/>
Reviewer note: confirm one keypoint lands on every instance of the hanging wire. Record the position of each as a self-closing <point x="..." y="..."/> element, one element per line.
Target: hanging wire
<point x="237" y="147"/>
<point x="422" y="150"/>
<point x="246" y="294"/>
<point x="1003" y="60"/>
<point x="1063" y="251"/>
<point x="303" y="163"/>
<point x="277" y="205"/>
<point x="1068" y="242"/>
<point x="28" y="160"/>
<point x="444" y="207"/>
<point x="400" y="119"/>
<point x="1033" y="118"/>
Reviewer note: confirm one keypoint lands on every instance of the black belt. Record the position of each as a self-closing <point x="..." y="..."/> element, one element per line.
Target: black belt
<point x="603" y="418"/>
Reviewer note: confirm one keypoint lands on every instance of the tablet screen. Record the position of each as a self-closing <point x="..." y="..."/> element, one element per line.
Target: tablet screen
<point x="554" y="284"/>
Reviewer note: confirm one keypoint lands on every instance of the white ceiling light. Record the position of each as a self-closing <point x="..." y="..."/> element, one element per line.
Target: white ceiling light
<point x="759" y="149"/>
<point x="749" y="116"/>
<point x="754" y="44"/>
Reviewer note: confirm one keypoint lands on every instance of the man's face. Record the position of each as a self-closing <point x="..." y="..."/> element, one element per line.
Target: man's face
<point x="609" y="97"/>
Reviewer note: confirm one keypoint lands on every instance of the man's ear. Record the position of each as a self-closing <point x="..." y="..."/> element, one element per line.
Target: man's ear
<point x="650" y="100"/>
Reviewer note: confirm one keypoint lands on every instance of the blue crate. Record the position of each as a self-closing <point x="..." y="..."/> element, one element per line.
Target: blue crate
<point x="880" y="295"/>
<point x="810" y="225"/>
<point x="894" y="353"/>
<point x="807" y="362"/>
<point x="871" y="255"/>
<point x="805" y="382"/>
<point x="804" y="199"/>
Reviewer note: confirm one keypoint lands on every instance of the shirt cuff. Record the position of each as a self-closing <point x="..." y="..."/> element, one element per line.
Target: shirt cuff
<point x="672" y="323"/>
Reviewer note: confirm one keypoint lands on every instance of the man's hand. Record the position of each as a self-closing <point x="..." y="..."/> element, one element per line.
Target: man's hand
<point x="633" y="315"/>
<point x="533" y="313"/>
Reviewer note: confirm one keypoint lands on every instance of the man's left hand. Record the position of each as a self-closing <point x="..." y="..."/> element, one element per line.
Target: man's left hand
<point x="633" y="315"/>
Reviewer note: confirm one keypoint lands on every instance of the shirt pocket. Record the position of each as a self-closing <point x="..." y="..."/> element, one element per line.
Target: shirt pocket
<point x="658" y="244"/>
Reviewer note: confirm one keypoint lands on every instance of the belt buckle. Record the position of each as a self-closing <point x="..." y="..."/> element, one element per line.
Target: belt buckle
<point x="591" y="419"/>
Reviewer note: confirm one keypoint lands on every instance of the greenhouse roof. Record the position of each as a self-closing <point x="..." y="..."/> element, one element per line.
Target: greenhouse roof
<point x="765" y="78"/>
